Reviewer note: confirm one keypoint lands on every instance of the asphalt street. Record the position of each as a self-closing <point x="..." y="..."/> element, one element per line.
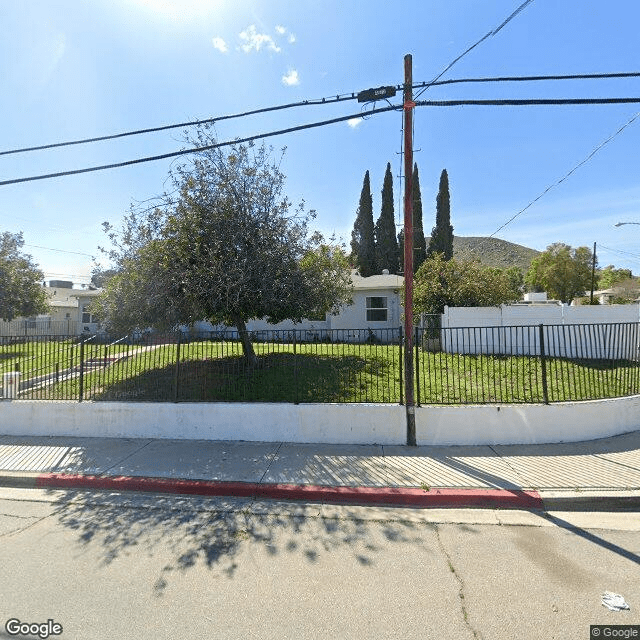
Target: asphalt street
<point x="131" y="565"/>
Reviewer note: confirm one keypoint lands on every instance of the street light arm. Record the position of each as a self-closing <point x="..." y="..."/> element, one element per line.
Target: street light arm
<point x="619" y="224"/>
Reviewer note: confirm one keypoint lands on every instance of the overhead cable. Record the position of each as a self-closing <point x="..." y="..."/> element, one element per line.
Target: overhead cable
<point x="561" y="180"/>
<point x="473" y="46"/>
<point x="525" y="102"/>
<point x="570" y="76"/>
<point x="322" y="123"/>
<point x="318" y="101"/>
<point x="77" y="253"/>
<point x="182" y="152"/>
<point x="191" y="123"/>
<point x="621" y="252"/>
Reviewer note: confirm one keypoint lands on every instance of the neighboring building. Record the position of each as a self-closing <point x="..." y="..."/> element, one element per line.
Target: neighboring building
<point x="87" y="322"/>
<point x="68" y="314"/>
<point x="375" y="309"/>
<point x="536" y="298"/>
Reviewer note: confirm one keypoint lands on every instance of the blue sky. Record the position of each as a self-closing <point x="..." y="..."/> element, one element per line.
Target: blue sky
<point x="73" y="69"/>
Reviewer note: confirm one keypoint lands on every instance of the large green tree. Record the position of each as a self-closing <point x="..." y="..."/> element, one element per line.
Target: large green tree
<point x="387" y="255"/>
<point x="562" y="271"/>
<point x="442" y="234"/>
<point x="101" y="275"/>
<point x="440" y="283"/>
<point x="226" y="246"/>
<point x="21" y="291"/>
<point x="363" y="245"/>
<point x="610" y="276"/>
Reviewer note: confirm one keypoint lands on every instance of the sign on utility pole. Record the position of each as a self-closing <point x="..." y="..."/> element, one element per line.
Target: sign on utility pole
<point x="371" y="95"/>
<point x="409" y="105"/>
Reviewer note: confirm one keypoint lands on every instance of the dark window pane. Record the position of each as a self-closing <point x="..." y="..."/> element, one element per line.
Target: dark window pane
<point x="376" y="315"/>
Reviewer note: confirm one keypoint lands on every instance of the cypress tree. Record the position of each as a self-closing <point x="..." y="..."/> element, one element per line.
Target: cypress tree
<point x="386" y="242"/>
<point x="442" y="234"/>
<point x="363" y="248"/>
<point x="419" y="241"/>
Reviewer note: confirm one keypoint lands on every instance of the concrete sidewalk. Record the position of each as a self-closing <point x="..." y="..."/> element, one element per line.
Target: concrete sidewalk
<point x="594" y="475"/>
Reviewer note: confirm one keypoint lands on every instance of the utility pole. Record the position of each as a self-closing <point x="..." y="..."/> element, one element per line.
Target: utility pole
<point x="409" y="105"/>
<point x="593" y="271"/>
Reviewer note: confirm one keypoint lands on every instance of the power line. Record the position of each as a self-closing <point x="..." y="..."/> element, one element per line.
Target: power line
<point x="318" y="101"/>
<point x="473" y="46"/>
<point x="525" y="102"/>
<point x="182" y="152"/>
<point x="322" y="123"/>
<point x="191" y="123"/>
<point x="572" y="76"/>
<point x="619" y="251"/>
<point x="77" y="253"/>
<point x="561" y="180"/>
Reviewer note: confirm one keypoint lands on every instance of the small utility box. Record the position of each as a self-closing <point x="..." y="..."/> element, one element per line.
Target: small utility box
<point x="10" y="384"/>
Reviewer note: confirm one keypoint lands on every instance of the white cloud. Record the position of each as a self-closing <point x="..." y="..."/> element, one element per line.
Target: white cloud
<point x="254" y="41"/>
<point x="220" y="45"/>
<point x="291" y="79"/>
<point x="281" y="31"/>
<point x="354" y="122"/>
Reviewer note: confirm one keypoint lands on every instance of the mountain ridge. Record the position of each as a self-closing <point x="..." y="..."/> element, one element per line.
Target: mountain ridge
<point x="493" y="252"/>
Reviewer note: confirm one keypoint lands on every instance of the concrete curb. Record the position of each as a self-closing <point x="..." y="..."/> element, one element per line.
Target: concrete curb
<point x="591" y="500"/>
<point x="374" y="496"/>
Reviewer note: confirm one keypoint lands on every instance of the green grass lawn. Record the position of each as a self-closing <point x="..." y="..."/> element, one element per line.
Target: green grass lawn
<point x="215" y="371"/>
<point x="35" y="358"/>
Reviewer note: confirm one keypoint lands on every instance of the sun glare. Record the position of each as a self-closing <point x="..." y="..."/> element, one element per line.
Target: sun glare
<point x="181" y="10"/>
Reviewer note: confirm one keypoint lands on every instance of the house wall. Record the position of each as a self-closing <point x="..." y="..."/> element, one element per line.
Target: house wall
<point x="350" y="323"/>
<point x="354" y="316"/>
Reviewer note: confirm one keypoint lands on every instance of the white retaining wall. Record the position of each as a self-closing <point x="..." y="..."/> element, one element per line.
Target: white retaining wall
<point x="323" y="423"/>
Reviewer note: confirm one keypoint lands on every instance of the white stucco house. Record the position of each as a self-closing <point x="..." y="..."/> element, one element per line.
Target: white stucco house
<point x="375" y="309"/>
<point x="68" y="314"/>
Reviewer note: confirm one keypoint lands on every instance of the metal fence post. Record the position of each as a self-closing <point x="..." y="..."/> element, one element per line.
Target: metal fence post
<point x="400" y="368"/>
<point x="177" y="371"/>
<point x="417" y="343"/>
<point x="296" y="397"/>
<point x="81" y="391"/>
<point x="543" y="366"/>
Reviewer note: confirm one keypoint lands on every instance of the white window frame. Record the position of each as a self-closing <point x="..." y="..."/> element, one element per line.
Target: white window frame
<point x="372" y="311"/>
<point x="85" y="312"/>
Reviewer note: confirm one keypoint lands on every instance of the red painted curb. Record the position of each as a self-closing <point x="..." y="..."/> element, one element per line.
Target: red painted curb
<point x="409" y="497"/>
<point x="380" y="496"/>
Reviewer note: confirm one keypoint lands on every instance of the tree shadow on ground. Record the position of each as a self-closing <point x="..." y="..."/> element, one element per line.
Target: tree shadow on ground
<point x="12" y="355"/>
<point x="212" y="532"/>
<point x="279" y="377"/>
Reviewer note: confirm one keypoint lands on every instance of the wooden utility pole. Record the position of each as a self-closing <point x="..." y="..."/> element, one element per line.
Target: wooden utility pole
<point x="409" y="105"/>
<point x="593" y="272"/>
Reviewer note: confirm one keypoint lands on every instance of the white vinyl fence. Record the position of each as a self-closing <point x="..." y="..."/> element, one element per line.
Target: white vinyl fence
<point x="602" y="333"/>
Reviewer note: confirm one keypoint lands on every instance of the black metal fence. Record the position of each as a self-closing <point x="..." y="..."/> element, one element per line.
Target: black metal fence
<point x="528" y="364"/>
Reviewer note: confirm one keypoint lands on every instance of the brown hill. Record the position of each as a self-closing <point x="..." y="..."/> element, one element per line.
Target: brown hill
<point x="493" y="252"/>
